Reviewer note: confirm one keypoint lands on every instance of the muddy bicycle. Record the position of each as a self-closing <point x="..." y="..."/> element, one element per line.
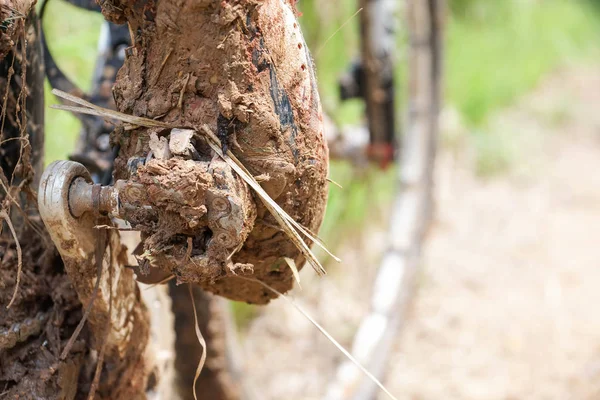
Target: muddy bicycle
<point x="228" y="240"/>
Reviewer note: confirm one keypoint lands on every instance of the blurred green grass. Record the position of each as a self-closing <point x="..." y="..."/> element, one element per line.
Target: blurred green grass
<point x="72" y="36"/>
<point x="496" y="53"/>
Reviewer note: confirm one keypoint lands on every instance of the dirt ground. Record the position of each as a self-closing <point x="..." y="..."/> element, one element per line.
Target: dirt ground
<point x="508" y="296"/>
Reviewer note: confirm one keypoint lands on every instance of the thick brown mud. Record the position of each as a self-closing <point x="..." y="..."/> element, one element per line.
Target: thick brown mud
<point x="241" y="68"/>
<point x="36" y="328"/>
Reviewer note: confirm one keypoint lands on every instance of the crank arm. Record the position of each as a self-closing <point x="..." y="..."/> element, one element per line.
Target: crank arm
<point x="61" y="203"/>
